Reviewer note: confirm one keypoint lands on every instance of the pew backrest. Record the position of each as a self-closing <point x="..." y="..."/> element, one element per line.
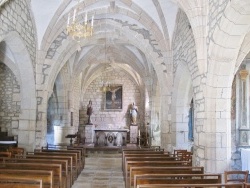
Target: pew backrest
<point x="162" y="170"/>
<point x="45" y="175"/>
<point x="56" y="168"/>
<point x="177" y="179"/>
<point x="20" y="183"/>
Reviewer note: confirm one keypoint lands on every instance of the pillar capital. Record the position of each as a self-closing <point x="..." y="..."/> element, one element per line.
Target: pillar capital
<point x="243" y="74"/>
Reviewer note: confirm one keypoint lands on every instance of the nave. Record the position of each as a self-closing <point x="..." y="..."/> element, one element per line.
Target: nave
<point x="102" y="169"/>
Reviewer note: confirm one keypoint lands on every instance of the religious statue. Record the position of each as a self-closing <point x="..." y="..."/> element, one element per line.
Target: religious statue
<point x="133" y="114"/>
<point x="89" y="112"/>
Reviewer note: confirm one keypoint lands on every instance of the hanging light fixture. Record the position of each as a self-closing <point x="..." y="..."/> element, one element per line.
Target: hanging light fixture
<point x="106" y="84"/>
<point x="78" y="30"/>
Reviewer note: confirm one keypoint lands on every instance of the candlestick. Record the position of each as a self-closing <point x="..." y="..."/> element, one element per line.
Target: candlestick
<point x="86" y="17"/>
<point x="92" y="22"/>
<point x="68" y="18"/>
<point x="74" y="15"/>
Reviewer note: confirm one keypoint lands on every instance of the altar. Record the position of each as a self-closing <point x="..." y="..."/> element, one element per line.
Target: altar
<point x="110" y="137"/>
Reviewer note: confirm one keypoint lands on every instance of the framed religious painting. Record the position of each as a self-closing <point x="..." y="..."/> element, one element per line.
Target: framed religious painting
<point x="113" y="98"/>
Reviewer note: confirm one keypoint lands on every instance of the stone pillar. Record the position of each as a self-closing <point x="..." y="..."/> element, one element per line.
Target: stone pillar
<point x="243" y="76"/>
<point x="243" y="128"/>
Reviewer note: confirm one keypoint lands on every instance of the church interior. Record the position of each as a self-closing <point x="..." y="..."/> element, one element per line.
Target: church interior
<point x="108" y="74"/>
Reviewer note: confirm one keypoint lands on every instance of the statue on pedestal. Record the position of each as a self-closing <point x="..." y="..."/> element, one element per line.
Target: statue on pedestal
<point x="89" y="112"/>
<point x="133" y="114"/>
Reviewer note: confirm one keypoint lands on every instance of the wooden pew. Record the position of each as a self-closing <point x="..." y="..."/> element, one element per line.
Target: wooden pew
<point x="73" y="155"/>
<point x="76" y="159"/>
<point x="68" y="158"/>
<point x="177" y="179"/>
<point x="66" y="147"/>
<point x="20" y="183"/>
<point x="150" y="157"/>
<point x="246" y="185"/>
<point x="45" y="175"/>
<point x="212" y="185"/>
<point x="149" y="163"/>
<point x="80" y="160"/>
<point x="16" y="151"/>
<point x="163" y="170"/>
<point x="83" y="152"/>
<point x="139" y="155"/>
<point x="56" y="168"/>
<point x="145" y="152"/>
<point x="65" y="172"/>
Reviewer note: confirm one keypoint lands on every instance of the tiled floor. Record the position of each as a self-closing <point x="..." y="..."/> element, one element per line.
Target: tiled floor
<point x="101" y="170"/>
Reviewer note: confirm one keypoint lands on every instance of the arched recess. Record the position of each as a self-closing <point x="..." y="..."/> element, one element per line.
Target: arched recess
<point x="58" y="112"/>
<point x="182" y="96"/>
<point x="23" y="64"/>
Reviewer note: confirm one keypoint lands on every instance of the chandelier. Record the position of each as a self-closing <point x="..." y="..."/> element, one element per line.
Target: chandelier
<point x="78" y="30"/>
<point x="106" y="83"/>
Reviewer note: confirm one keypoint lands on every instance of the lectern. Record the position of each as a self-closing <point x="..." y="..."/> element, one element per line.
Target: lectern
<point x="71" y="136"/>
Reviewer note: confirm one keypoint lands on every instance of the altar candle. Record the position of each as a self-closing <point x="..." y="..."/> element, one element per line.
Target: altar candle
<point x="86" y="17"/>
<point x="74" y="16"/>
<point x="139" y="133"/>
<point x="68" y="18"/>
<point x="92" y="22"/>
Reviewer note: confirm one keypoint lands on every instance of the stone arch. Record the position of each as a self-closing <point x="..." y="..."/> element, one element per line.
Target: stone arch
<point x="223" y="50"/>
<point x="23" y="63"/>
<point x="153" y="55"/>
<point x="182" y="96"/>
<point x="186" y="77"/>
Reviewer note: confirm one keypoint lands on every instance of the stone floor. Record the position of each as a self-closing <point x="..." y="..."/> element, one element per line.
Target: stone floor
<point x="102" y="169"/>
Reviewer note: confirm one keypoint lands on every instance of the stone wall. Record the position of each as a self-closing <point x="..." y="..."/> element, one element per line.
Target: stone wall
<point x="111" y="118"/>
<point x="15" y="16"/>
<point x="9" y="100"/>
<point x="185" y="68"/>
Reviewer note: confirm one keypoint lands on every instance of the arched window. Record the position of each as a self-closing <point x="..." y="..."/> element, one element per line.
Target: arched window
<point x="191" y="122"/>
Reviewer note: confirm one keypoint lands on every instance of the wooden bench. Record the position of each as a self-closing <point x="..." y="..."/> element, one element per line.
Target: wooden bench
<point x="80" y="159"/>
<point x="68" y="158"/>
<point x="148" y="158"/>
<point x="66" y="147"/>
<point x="144" y="152"/>
<point x="73" y="155"/>
<point x="56" y="168"/>
<point x="177" y="179"/>
<point x="139" y="155"/>
<point x="45" y="175"/>
<point x="20" y="183"/>
<point x="149" y="163"/>
<point x="162" y="170"/>
<point x="212" y="185"/>
<point x="83" y="152"/>
<point x="65" y="172"/>
<point x="76" y="163"/>
<point x="16" y="151"/>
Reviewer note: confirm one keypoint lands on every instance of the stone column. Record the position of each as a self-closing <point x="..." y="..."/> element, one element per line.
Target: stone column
<point x="243" y="128"/>
<point x="243" y="76"/>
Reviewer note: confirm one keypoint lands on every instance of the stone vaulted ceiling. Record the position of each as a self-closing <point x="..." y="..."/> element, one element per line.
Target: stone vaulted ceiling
<point x="117" y="23"/>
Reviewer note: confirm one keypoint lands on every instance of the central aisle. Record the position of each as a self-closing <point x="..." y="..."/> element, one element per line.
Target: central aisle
<point x="102" y="170"/>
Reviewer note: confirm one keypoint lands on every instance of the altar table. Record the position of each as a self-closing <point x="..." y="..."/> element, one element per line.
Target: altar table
<point x="110" y="137"/>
